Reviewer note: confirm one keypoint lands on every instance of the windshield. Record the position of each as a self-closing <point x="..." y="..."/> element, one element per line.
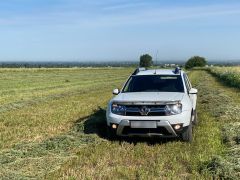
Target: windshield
<point x="154" y="83"/>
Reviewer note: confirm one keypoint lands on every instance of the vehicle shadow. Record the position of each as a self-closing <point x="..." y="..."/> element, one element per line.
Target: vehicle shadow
<point x="97" y="124"/>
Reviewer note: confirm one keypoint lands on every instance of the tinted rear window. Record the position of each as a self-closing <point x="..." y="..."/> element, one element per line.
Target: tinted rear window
<point x="154" y="83"/>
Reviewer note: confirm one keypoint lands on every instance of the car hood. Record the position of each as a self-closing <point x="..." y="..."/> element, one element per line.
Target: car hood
<point x="149" y="97"/>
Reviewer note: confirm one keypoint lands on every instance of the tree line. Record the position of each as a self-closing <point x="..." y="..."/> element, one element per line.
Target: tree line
<point x="195" y="61"/>
<point x="67" y="64"/>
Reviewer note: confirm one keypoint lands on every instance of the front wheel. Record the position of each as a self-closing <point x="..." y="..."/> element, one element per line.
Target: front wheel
<point x="187" y="135"/>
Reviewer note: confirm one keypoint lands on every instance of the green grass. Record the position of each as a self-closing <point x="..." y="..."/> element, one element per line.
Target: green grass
<point x="52" y="125"/>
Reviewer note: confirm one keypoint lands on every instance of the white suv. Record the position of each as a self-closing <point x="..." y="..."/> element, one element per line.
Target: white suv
<point x="154" y="103"/>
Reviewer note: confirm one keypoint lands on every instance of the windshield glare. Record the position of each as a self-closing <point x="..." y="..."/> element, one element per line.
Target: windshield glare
<point x="154" y="83"/>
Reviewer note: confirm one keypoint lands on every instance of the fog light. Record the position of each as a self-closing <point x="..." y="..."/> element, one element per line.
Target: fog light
<point x="114" y="126"/>
<point x="177" y="127"/>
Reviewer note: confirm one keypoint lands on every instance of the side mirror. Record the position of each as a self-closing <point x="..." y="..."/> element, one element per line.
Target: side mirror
<point x="193" y="91"/>
<point x="116" y="91"/>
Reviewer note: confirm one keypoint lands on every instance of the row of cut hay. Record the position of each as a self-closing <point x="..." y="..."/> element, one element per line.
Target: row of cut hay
<point x="230" y="75"/>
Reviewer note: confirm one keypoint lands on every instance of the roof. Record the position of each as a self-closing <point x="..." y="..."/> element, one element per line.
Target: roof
<point x="157" y="71"/>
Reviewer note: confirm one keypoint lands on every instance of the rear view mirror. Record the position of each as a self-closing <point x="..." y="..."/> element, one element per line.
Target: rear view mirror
<point x="193" y="91"/>
<point x="116" y="91"/>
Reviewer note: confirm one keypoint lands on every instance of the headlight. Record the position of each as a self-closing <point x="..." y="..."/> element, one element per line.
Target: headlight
<point x="173" y="109"/>
<point x="118" y="109"/>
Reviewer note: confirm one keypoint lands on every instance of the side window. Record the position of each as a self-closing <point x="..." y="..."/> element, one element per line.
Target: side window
<point x="186" y="82"/>
<point x="190" y="85"/>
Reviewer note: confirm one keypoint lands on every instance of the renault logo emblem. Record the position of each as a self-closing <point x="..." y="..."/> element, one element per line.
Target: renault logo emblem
<point x="144" y="111"/>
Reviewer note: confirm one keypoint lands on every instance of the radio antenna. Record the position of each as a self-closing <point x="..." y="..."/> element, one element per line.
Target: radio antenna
<point x="156" y="62"/>
<point x="156" y="57"/>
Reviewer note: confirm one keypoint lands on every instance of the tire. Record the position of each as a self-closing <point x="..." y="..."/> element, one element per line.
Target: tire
<point x="195" y="118"/>
<point x="187" y="135"/>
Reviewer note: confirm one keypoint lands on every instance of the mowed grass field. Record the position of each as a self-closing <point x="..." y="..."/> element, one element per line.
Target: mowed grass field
<point x="52" y="126"/>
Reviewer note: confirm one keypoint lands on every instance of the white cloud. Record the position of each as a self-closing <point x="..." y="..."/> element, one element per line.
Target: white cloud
<point x="161" y="15"/>
<point x="119" y="15"/>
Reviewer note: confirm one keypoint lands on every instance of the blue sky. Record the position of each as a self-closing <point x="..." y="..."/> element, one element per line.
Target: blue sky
<point x="93" y="30"/>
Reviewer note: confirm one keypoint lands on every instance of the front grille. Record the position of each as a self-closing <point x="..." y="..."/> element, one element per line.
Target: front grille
<point x="160" y="130"/>
<point x="152" y="110"/>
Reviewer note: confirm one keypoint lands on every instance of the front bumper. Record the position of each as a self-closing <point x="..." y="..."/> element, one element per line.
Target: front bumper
<point x="164" y="124"/>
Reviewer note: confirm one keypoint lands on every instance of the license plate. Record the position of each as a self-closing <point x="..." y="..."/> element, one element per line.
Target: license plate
<point x="143" y="124"/>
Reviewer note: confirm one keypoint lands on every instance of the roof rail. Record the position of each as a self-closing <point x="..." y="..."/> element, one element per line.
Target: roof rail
<point x="138" y="70"/>
<point x="177" y="70"/>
